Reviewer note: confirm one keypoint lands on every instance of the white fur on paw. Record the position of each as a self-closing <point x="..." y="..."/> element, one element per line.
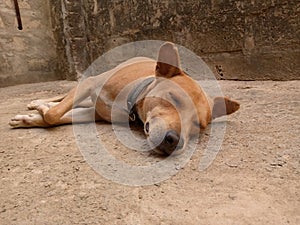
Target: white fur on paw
<point x="25" y="120"/>
<point x="35" y="104"/>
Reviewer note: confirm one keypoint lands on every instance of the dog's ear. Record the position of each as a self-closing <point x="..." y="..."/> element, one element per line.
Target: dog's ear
<point x="168" y="62"/>
<point x="224" y="106"/>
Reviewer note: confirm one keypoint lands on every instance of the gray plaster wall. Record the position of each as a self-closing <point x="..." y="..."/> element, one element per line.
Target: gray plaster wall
<point x="241" y="39"/>
<point x="27" y="55"/>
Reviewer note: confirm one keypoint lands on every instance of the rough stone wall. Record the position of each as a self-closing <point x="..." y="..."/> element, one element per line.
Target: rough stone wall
<point x="28" y="55"/>
<point x="70" y="32"/>
<point x="239" y="39"/>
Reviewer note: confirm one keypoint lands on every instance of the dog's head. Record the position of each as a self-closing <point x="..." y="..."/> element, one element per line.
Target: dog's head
<point x="176" y="107"/>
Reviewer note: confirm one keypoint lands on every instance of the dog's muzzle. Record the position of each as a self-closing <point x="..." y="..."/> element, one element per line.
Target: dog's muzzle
<point x="170" y="143"/>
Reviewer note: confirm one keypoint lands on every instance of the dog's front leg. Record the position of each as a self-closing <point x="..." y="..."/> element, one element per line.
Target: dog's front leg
<point x="53" y="115"/>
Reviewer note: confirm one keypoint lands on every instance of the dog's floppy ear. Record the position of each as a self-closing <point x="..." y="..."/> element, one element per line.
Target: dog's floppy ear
<point x="224" y="106"/>
<point x="168" y="63"/>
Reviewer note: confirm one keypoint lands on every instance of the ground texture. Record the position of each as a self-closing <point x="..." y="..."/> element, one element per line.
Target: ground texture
<point x="255" y="178"/>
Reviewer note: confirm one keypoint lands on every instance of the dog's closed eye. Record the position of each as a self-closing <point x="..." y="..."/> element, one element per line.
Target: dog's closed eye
<point x="175" y="99"/>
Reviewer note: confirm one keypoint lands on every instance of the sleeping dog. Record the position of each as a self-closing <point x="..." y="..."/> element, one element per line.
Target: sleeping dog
<point x="170" y="104"/>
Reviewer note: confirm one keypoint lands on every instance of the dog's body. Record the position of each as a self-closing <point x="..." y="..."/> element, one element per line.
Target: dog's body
<point x="171" y="105"/>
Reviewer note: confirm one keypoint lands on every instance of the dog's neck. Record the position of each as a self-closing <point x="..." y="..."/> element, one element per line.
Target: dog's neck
<point x="137" y="93"/>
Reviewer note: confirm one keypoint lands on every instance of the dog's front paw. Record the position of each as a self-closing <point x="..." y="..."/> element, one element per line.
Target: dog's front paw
<point x="20" y="121"/>
<point x="24" y="121"/>
<point x="35" y="104"/>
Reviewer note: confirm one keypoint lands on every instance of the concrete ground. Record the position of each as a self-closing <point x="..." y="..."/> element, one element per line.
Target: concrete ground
<point x="255" y="178"/>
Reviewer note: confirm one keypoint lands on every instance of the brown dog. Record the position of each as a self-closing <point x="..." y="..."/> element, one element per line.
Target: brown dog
<point x="170" y="104"/>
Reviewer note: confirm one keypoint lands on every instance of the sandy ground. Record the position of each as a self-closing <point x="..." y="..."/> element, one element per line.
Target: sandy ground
<point x="255" y="178"/>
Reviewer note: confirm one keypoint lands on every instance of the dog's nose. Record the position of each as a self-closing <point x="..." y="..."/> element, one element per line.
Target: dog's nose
<point x="169" y="143"/>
